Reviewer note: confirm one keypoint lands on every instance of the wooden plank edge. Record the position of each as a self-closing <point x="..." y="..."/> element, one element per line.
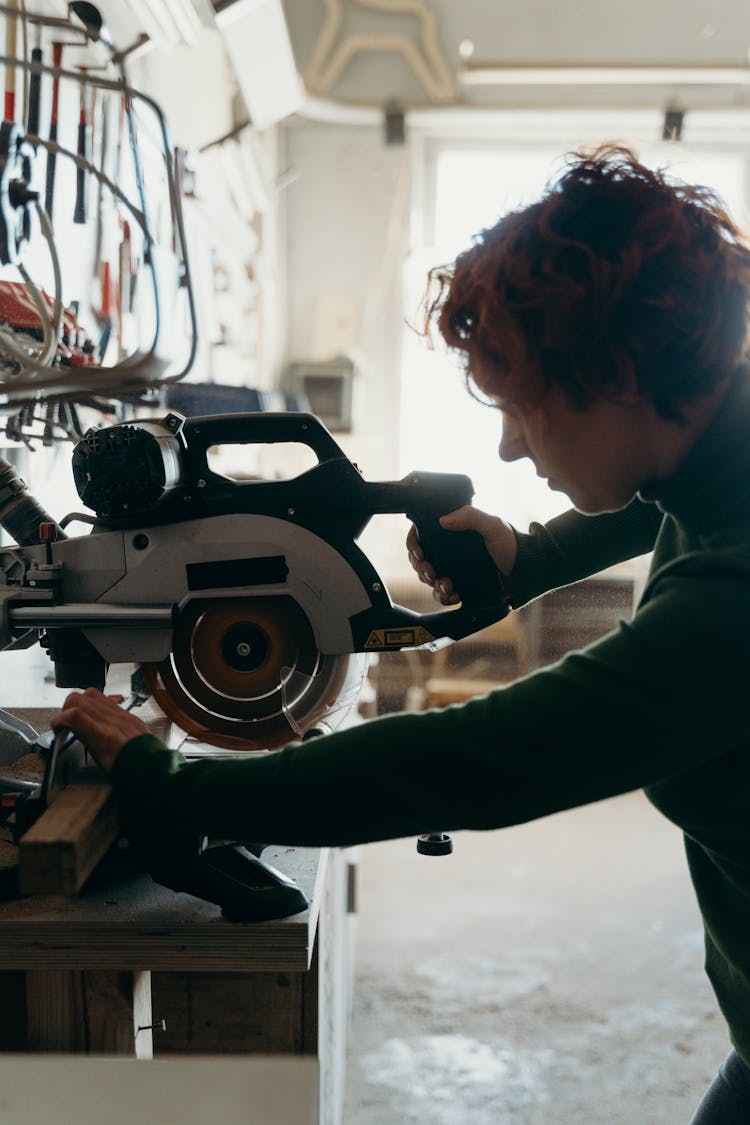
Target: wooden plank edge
<point x="60" y="851"/>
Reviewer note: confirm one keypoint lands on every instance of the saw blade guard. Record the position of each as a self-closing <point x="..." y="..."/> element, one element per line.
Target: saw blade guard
<point x="247" y="674"/>
<point x="300" y="687"/>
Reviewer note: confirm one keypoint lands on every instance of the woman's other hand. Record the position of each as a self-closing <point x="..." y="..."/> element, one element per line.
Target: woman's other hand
<point x="100" y="723"/>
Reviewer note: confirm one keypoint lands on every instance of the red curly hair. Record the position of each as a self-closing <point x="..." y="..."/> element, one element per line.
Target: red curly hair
<point x="616" y="277"/>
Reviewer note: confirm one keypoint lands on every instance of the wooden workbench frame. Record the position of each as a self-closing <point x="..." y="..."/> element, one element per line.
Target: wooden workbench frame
<point x="131" y="968"/>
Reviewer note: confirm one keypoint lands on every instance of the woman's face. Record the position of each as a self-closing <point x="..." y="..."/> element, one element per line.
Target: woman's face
<point x="600" y="457"/>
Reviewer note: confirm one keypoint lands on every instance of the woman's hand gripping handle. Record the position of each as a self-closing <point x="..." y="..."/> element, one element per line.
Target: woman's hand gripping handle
<point x="499" y="539"/>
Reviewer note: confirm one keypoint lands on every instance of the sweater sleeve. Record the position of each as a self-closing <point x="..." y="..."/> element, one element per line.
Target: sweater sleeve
<point x="574" y="546"/>
<point x="631" y="710"/>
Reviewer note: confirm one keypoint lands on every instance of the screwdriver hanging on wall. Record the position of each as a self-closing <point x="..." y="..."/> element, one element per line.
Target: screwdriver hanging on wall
<point x="79" y="210"/>
<point x="35" y="86"/>
<point x="91" y="17"/>
<point x="49" y="187"/>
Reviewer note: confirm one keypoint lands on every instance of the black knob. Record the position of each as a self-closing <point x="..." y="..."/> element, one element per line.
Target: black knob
<point x="435" y="843"/>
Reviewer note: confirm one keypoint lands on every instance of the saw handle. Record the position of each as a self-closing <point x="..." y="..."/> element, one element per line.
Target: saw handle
<point x="459" y="555"/>
<point x="255" y="429"/>
<point x="463" y="557"/>
<point x="423" y="497"/>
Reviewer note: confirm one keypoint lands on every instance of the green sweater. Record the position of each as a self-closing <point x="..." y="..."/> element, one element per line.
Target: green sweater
<point x="660" y="703"/>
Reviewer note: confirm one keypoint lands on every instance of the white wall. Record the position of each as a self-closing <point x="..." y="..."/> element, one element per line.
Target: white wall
<point x="346" y="218"/>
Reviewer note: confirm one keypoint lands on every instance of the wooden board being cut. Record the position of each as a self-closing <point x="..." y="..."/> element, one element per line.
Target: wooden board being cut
<point x="59" y="852"/>
<point x="62" y="849"/>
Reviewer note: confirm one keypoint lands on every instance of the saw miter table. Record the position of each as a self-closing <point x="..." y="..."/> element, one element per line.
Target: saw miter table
<point x="247" y="608"/>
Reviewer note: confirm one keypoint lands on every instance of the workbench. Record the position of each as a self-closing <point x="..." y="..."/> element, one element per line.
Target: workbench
<point x="130" y="968"/>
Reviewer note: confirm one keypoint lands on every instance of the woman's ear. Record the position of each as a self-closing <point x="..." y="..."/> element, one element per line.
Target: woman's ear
<point x="625" y="390"/>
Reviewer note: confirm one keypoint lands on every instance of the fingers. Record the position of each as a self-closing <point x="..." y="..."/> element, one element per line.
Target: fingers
<point x="72" y="702"/>
<point x="445" y="594"/>
<point x="498" y="535"/>
<point x="426" y="573"/>
<point x="416" y="556"/>
<point x="467" y="518"/>
<point x="424" y="570"/>
<point x="100" y="723"/>
<point x="499" y="539"/>
<point x="442" y="587"/>
<point x="88" y="702"/>
<point x="413" y="546"/>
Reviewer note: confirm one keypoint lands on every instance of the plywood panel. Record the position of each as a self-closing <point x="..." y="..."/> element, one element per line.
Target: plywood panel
<point x="212" y="1013"/>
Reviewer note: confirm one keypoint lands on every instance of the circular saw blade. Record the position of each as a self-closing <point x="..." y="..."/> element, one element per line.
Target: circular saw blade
<point x="245" y="673"/>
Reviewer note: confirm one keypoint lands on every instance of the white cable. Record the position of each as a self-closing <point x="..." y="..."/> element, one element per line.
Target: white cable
<point x="10" y="348"/>
<point x="49" y="343"/>
<point x="51" y="324"/>
<point x="57" y="307"/>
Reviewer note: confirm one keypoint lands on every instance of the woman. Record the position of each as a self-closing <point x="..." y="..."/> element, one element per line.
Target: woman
<point x="608" y="323"/>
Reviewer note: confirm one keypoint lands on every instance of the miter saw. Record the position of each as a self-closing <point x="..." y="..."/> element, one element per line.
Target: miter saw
<point x="247" y="606"/>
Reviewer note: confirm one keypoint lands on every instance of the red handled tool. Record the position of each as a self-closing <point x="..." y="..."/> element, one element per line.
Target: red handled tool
<point x="49" y="187"/>
<point x="9" y="113"/>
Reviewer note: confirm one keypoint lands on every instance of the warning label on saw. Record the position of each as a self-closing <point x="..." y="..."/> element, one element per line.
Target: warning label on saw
<point x="398" y="638"/>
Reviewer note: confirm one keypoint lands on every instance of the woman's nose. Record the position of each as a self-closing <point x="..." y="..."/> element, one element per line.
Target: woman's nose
<point x="512" y="445"/>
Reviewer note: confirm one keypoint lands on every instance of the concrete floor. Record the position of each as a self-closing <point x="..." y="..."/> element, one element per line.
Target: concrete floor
<point x="549" y="974"/>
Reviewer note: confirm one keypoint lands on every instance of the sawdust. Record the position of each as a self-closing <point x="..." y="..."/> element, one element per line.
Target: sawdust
<point x="28" y="768"/>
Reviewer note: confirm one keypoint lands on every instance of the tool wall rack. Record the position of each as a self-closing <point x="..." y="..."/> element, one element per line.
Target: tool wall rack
<point x="96" y="298"/>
